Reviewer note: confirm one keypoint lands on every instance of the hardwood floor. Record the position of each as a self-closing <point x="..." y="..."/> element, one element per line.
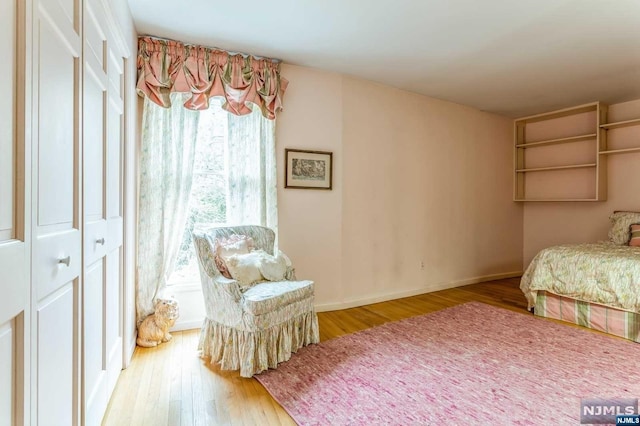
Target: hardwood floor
<point x="171" y="385"/>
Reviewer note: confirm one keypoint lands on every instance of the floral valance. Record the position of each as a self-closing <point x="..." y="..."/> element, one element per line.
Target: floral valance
<point x="166" y="66"/>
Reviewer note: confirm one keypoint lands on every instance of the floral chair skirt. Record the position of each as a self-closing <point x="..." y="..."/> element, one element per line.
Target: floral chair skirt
<point x="265" y="340"/>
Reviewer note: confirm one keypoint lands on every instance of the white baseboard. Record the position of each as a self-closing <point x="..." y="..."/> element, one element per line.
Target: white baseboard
<point x="191" y="302"/>
<point x="130" y="347"/>
<point x="428" y="289"/>
<point x="187" y="325"/>
<point x="191" y="323"/>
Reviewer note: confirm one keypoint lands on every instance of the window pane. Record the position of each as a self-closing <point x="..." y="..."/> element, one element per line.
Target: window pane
<point x="208" y="200"/>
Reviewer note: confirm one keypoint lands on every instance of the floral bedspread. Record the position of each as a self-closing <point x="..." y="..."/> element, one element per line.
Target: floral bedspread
<point x="603" y="273"/>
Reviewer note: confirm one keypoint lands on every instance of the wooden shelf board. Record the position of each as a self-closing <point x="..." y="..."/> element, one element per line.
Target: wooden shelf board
<point x="618" y="124"/>
<point x="555" y="199"/>
<point x="558" y="141"/>
<point x="521" y="145"/>
<point x="593" y="106"/>
<point x="543" y="169"/>
<point x="619" y="151"/>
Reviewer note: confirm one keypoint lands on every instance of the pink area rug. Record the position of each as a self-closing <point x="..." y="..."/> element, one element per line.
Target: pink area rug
<point x="470" y="364"/>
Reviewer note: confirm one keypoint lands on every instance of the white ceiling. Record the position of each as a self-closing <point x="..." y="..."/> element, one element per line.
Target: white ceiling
<point x="511" y="57"/>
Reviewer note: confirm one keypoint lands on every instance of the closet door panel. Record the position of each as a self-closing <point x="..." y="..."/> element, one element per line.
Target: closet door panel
<point x="115" y="135"/>
<point x="7" y="373"/>
<point x="7" y="130"/>
<point x="57" y="129"/>
<point x="102" y="235"/>
<point x="113" y="311"/>
<point x="95" y="386"/>
<point x="94" y="101"/>
<point x="14" y="245"/>
<point x="58" y="261"/>
<point x="57" y="258"/>
<point x="56" y="220"/>
<point x="56" y="224"/>
<point x="114" y="192"/>
<point x="94" y="136"/>
<point x="94" y="160"/>
<point x="14" y="282"/>
<point x="12" y="250"/>
<point x="56" y="359"/>
<point x="114" y="189"/>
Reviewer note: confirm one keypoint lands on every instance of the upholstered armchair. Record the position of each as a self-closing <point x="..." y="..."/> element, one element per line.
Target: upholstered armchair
<point x="252" y="327"/>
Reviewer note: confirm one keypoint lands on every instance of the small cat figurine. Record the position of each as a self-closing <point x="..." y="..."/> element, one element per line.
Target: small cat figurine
<point x="154" y="329"/>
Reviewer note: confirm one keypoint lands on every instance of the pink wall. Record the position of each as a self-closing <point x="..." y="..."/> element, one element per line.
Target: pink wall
<point x="310" y="221"/>
<point x="547" y="224"/>
<point x="422" y="191"/>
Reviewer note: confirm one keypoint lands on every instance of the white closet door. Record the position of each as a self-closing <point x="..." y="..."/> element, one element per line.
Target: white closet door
<point x="95" y="395"/>
<point x="7" y="376"/>
<point x="56" y="213"/>
<point x="102" y="137"/>
<point x="13" y="254"/>
<point x="114" y="208"/>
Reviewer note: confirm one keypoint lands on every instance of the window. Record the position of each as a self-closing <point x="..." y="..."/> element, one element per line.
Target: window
<point x="233" y="180"/>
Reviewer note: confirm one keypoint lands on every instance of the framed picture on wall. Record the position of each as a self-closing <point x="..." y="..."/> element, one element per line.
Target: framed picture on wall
<point x="307" y="169"/>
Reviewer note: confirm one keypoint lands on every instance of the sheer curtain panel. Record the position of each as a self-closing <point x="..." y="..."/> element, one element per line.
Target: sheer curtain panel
<point x="252" y="171"/>
<point x="166" y="165"/>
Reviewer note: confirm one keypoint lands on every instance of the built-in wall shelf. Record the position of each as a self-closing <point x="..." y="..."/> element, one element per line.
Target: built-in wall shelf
<point x="618" y="124"/>
<point x="558" y="199"/>
<point x="582" y="178"/>
<point x="558" y="141"/>
<point x="592" y="106"/>
<point x="606" y="149"/>
<point x="536" y="178"/>
<point x="544" y="169"/>
<point x="619" y="151"/>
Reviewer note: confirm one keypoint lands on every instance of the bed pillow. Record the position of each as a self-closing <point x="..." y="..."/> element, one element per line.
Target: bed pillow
<point x="635" y="235"/>
<point x="620" y="225"/>
<point x="225" y="247"/>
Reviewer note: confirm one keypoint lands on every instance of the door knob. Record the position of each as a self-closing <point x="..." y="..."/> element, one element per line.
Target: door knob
<point x="100" y="241"/>
<point x="65" y="260"/>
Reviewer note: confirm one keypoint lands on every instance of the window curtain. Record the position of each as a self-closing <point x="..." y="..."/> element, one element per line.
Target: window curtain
<point x="166" y="66"/>
<point x="252" y="198"/>
<point x="166" y="165"/>
<point x="177" y="81"/>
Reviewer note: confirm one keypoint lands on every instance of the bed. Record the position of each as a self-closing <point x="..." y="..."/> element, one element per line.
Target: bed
<point x="595" y="285"/>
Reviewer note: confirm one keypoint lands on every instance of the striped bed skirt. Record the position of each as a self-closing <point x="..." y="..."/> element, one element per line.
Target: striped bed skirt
<point x="598" y="317"/>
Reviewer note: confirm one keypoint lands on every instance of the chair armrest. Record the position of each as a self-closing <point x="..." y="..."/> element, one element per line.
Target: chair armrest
<point x="231" y="286"/>
<point x="222" y="300"/>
